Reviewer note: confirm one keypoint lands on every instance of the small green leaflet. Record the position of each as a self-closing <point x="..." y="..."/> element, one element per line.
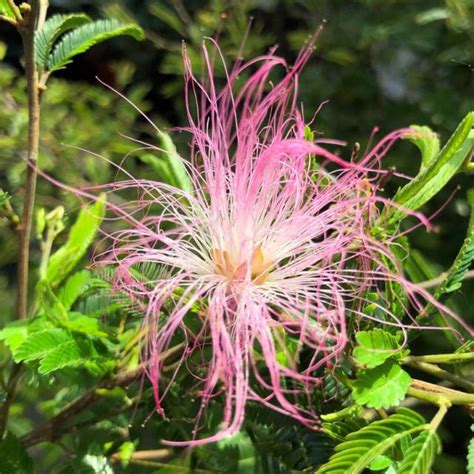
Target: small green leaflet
<point x="84" y="37"/>
<point x="375" y="347"/>
<point x="421" y="454"/>
<point x="80" y="237"/>
<point x="437" y="170"/>
<point x="53" y="28"/>
<point x="381" y="387"/>
<point x="362" y="447"/>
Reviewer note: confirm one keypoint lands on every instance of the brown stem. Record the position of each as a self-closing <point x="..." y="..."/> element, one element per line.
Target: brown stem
<point x="24" y="227"/>
<point x="54" y="428"/>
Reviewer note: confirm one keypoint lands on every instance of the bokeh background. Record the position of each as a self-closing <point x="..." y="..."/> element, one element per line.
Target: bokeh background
<point x="385" y="63"/>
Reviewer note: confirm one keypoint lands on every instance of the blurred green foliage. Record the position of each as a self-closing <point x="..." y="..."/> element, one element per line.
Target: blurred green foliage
<point x="387" y="63"/>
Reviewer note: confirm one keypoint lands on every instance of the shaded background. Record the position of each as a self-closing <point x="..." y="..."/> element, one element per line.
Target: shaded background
<point x="386" y="63"/>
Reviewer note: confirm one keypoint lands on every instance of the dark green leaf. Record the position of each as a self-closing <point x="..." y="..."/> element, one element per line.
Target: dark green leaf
<point x="381" y="387"/>
<point x="84" y="37"/>
<point x="53" y="28"/>
<point x="13" y="457"/>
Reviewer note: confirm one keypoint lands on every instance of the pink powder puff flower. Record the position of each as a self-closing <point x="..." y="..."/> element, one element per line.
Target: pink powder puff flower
<point x="268" y="244"/>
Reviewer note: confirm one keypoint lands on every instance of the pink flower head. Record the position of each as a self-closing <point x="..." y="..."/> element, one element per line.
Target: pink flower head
<point x="273" y="241"/>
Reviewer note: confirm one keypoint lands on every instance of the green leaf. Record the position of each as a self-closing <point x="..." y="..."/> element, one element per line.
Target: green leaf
<point x="421" y="454"/>
<point x="427" y="142"/>
<point x="169" y="166"/>
<point x="5" y="9"/>
<point x="39" y="344"/>
<point x="375" y="347"/>
<point x="441" y="168"/>
<point x="455" y="275"/>
<point x="381" y="387"/>
<point x="14" y="334"/>
<point x="362" y="447"/>
<point x="470" y="455"/>
<point x="53" y="28"/>
<point x="68" y="354"/>
<point x="74" y="287"/>
<point x="84" y="37"/>
<point x="13" y="457"/>
<point x="84" y="324"/>
<point x="80" y="237"/>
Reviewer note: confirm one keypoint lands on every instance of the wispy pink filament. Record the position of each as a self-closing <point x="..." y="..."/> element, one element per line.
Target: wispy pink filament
<point x="268" y="246"/>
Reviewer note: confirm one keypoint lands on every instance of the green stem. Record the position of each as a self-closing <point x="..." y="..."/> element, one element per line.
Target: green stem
<point x="441" y="358"/>
<point x="439" y="395"/>
<point x="442" y="374"/>
<point x="438" y="418"/>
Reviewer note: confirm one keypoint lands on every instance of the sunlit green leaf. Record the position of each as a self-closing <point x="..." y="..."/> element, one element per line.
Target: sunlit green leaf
<point x="375" y="347"/>
<point x="53" y="28"/>
<point x="439" y="169"/>
<point x="362" y="447"/>
<point x="421" y="454"/>
<point x="84" y="37"/>
<point x="80" y="237"/>
<point x="381" y="387"/>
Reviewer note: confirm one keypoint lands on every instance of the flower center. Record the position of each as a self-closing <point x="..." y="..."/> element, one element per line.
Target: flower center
<point x="256" y="266"/>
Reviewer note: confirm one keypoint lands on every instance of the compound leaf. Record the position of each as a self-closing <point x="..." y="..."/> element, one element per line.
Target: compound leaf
<point x="84" y="37"/>
<point x="53" y="28"/>
<point x="361" y="447"/>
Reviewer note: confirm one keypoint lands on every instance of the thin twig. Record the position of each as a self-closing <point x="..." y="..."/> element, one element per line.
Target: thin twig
<point x="12" y="21"/>
<point x="455" y="358"/>
<point x="24" y="227"/>
<point x="53" y="428"/>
